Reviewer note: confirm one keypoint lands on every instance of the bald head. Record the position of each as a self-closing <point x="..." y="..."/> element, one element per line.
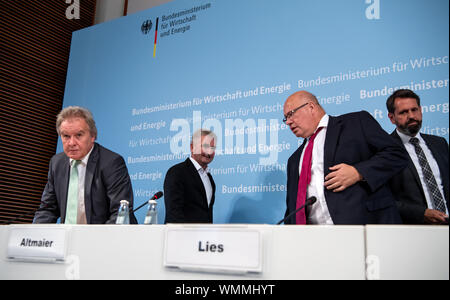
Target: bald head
<point x="302" y="95"/>
<point x="303" y="113"/>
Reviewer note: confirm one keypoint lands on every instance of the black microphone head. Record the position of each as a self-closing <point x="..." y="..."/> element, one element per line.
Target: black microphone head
<point x="157" y="195"/>
<point x="311" y="200"/>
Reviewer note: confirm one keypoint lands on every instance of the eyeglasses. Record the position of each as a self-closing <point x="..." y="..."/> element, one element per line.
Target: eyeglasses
<point x="292" y="112"/>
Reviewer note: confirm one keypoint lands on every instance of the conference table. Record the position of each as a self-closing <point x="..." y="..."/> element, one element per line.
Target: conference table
<point x="225" y="252"/>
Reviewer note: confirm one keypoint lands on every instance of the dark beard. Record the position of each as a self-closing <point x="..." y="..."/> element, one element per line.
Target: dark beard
<point x="411" y="130"/>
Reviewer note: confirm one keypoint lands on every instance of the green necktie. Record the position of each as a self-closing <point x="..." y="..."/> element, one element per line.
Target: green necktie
<point x="72" y="194"/>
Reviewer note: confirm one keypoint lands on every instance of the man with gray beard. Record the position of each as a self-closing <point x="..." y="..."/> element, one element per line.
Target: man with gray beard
<point x="421" y="190"/>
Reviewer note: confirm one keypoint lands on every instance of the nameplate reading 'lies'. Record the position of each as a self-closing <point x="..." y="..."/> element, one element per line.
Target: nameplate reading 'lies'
<point x="37" y="244"/>
<point x="214" y="249"/>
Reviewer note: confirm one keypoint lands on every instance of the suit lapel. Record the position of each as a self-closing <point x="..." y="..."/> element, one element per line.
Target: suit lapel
<point x="213" y="184"/>
<point x="294" y="175"/>
<point x="331" y="141"/>
<point x="65" y="175"/>
<point x="89" y="177"/>
<point x="435" y="153"/>
<point x="198" y="180"/>
<point x="332" y="136"/>
<point x="411" y="165"/>
<point x="441" y="162"/>
<point x="295" y="172"/>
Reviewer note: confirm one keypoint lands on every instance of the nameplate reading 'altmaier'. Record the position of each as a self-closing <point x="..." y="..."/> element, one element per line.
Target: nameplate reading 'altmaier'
<point x="39" y="244"/>
<point x="214" y="249"/>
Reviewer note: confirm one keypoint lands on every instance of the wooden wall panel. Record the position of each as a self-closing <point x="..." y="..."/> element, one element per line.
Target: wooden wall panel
<point x="35" y="41"/>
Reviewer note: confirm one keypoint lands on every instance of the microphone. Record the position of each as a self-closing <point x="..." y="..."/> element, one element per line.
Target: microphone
<point x="308" y="202"/>
<point x="155" y="197"/>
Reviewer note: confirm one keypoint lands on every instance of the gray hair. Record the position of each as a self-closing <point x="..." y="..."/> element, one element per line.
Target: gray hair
<point x="203" y="132"/>
<point x="71" y="112"/>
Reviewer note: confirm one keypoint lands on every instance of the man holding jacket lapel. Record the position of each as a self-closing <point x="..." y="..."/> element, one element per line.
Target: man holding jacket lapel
<point x="348" y="163"/>
<point x="87" y="181"/>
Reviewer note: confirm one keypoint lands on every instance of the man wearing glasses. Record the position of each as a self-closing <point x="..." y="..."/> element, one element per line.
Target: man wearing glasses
<point x="345" y="162"/>
<point x="189" y="188"/>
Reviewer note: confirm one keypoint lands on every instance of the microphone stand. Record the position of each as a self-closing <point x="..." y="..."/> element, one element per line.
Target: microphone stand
<point x="140" y="206"/>
<point x="155" y="197"/>
<point x="308" y="202"/>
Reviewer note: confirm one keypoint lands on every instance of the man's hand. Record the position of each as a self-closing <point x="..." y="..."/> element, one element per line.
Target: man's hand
<point x="341" y="177"/>
<point x="433" y="216"/>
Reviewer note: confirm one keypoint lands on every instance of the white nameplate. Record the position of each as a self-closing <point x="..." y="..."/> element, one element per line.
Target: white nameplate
<point x="214" y="249"/>
<point x="37" y="244"/>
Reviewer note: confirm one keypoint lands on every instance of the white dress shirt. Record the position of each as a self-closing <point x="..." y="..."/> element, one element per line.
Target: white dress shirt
<point x="81" y="215"/>
<point x="205" y="179"/>
<point x="431" y="161"/>
<point x="318" y="213"/>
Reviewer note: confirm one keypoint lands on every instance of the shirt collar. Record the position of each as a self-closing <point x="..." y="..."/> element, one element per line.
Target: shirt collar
<point x="85" y="159"/>
<point x="405" y="138"/>
<point x="197" y="165"/>
<point x="322" y="123"/>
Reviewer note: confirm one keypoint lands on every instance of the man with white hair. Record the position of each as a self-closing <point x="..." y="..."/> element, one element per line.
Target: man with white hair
<point x="86" y="182"/>
<point x="189" y="188"/>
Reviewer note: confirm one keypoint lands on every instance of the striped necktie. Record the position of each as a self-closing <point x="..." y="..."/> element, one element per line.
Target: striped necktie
<point x="436" y="196"/>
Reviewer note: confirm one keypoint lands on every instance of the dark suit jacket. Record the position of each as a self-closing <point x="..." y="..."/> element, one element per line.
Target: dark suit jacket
<point x="407" y="187"/>
<point x="358" y="140"/>
<point x="185" y="195"/>
<point x="106" y="183"/>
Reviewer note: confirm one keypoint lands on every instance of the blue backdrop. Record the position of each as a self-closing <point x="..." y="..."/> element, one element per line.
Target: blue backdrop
<point x="229" y="65"/>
